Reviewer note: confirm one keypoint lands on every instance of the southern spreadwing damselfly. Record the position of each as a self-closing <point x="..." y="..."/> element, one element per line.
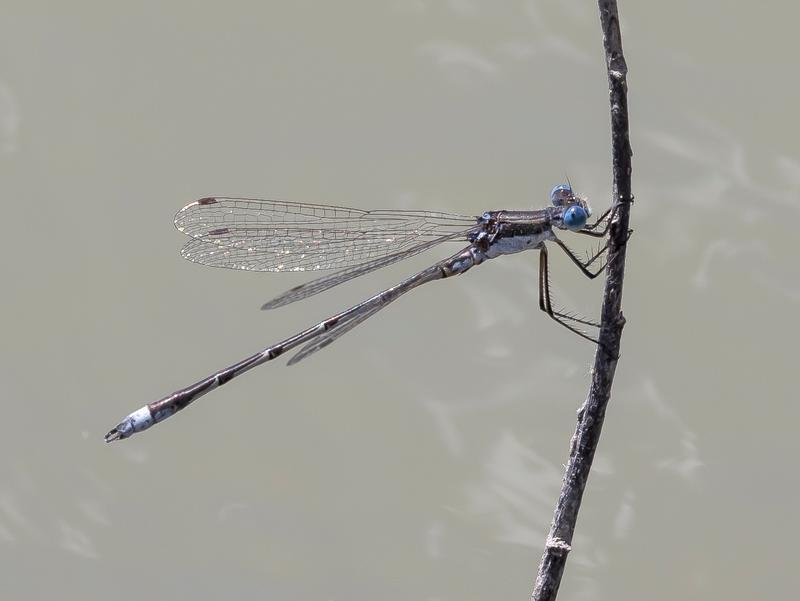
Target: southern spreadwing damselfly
<point x="271" y="235"/>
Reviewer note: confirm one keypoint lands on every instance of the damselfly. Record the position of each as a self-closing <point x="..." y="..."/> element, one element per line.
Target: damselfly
<point x="270" y="235"/>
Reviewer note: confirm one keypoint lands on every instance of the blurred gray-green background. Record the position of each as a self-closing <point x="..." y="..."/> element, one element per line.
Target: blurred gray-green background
<point x="420" y="456"/>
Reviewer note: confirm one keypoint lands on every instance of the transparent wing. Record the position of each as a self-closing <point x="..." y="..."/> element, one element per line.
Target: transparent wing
<point x="324" y="340"/>
<point x="274" y="235"/>
<point x="334" y="279"/>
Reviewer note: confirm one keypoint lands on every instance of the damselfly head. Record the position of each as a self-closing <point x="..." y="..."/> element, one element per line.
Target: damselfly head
<point x="576" y="210"/>
<point x="561" y="195"/>
<point x="575" y="216"/>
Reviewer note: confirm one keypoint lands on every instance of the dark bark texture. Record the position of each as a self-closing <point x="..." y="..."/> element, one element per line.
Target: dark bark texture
<point x="591" y="415"/>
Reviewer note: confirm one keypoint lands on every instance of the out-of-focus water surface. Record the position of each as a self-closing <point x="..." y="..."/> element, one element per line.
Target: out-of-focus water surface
<point x="421" y="455"/>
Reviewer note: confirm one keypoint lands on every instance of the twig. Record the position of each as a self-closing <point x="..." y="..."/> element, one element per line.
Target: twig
<point x="590" y="416"/>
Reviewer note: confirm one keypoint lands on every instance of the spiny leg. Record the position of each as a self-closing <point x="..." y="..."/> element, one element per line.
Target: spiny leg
<point x="546" y="304"/>
<point x="584" y="265"/>
<point x="607" y="214"/>
<point x="606" y="217"/>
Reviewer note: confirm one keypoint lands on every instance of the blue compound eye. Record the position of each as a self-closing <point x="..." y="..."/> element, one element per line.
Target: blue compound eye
<point x="560" y="194"/>
<point x="575" y="218"/>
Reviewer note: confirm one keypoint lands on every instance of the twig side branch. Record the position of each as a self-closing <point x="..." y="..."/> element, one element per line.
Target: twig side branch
<point x="591" y="415"/>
